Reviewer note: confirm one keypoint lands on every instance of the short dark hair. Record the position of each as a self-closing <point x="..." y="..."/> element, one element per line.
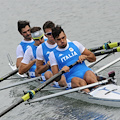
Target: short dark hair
<point x="48" y="24"/>
<point x="22" y="24"/>
<point x="56" y="31"/>
<point x="34" y="29"/>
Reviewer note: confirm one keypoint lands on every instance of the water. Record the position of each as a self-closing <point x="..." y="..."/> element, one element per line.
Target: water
<point x="91" y="22"/>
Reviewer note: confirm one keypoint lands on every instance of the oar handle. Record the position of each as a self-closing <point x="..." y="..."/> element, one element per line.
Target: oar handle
<point x="73" y="64"/>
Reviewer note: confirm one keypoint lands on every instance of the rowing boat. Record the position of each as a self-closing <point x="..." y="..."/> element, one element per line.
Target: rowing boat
<point x="107" y="94"/>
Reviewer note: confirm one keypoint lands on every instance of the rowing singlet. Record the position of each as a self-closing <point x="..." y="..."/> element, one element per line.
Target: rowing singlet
<point x="67" y="58"/>
<point x="26" y="45"/>
<point x="46" y="51"/>
<point x="32" y="69"/>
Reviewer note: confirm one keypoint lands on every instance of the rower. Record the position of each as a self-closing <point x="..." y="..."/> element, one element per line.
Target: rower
<point x="29" y="59"/>
<point x="24" y="30"/>
<point x="43" y="52"/>
<point x="67" y="53"/>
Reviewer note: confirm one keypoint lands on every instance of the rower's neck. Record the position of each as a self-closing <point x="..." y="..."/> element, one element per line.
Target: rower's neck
<point x="50" y="42"/>
<point x="28" y="39"/>
<point x="35" y="44"/>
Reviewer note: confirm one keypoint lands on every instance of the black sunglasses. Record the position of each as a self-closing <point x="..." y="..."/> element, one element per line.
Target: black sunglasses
<point x="49" y="33"/>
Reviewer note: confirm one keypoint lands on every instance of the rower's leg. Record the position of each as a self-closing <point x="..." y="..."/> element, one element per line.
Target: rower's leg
<point x="90" y="77"/>
<point x="78" y="82"/>
<point x="48" y="74"/>
<point x="62" y="81"/>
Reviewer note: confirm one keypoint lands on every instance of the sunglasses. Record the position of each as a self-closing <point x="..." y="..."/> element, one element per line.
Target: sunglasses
<point x="61" y="38"/>
<point x="49" y="33"/>
<point x="38" y="38"/>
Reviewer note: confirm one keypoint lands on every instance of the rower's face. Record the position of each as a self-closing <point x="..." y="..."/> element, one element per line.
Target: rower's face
<point x="25" y="32"/>
<point x="48" y="34"/>
<point x="39" y="41"/>
<point x="61" y="40"/>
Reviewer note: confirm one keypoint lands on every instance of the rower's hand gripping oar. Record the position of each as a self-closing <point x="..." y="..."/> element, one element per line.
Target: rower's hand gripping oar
<point x="107" y="51"/>
<point x="105" y="46"/>
<point x="8" y="75"/>
<point x="31" y="93"/>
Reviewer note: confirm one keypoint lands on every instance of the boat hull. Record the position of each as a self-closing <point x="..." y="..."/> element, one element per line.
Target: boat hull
<point x="108" y="95"/>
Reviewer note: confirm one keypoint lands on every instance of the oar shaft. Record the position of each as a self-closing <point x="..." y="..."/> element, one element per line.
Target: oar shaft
<point x="31" y="93"/>
<point x="11" y="107"/>
<point x="108" y="65"/>
<point x="48" y="81"/>
<point x="52" y="79"/>
<point x="9" y="74"/>
<point x="95" y="48"/>
<point x="98" y="60"/>
<point x="107" y="51"/>
<point x="22" y="82"/>
<point x="69" y="91"/>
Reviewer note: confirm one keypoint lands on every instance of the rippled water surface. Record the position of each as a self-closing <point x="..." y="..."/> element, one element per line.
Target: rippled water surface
<point x="91" y="22"/>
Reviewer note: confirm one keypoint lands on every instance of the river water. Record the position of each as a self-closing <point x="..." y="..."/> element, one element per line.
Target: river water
<point x="91" y="22"/>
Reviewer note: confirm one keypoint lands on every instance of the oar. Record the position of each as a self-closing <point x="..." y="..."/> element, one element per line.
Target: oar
<point x="22" y="82"/>
<point x="107" y="51"/>
<point x="105" y="46"/>
<point x="31" y="93"/>
<point x="8" y="75"/>
<point x="15" y="78"/>
<point x="69" y="91"/>
<point x="108" y="65"/>
<point x="98" y="60"/>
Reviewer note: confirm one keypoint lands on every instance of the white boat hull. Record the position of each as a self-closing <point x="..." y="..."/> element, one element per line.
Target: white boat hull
<point x="108" y="95"/>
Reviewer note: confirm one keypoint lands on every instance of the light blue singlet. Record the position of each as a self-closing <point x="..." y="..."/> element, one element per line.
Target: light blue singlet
<point x="26" y="45"/>
<point x="32" y="69"/>
<point x="46" y="52"/>
<point x="67" y="58"/>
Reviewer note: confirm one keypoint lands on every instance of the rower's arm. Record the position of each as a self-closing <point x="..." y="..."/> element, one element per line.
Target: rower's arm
<point x="18" y="61"/>
<point x="54" y="69"/>
<point x="25" y="67"/>
<point x="89" y="56"/>
<point x="41" y="68"/>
